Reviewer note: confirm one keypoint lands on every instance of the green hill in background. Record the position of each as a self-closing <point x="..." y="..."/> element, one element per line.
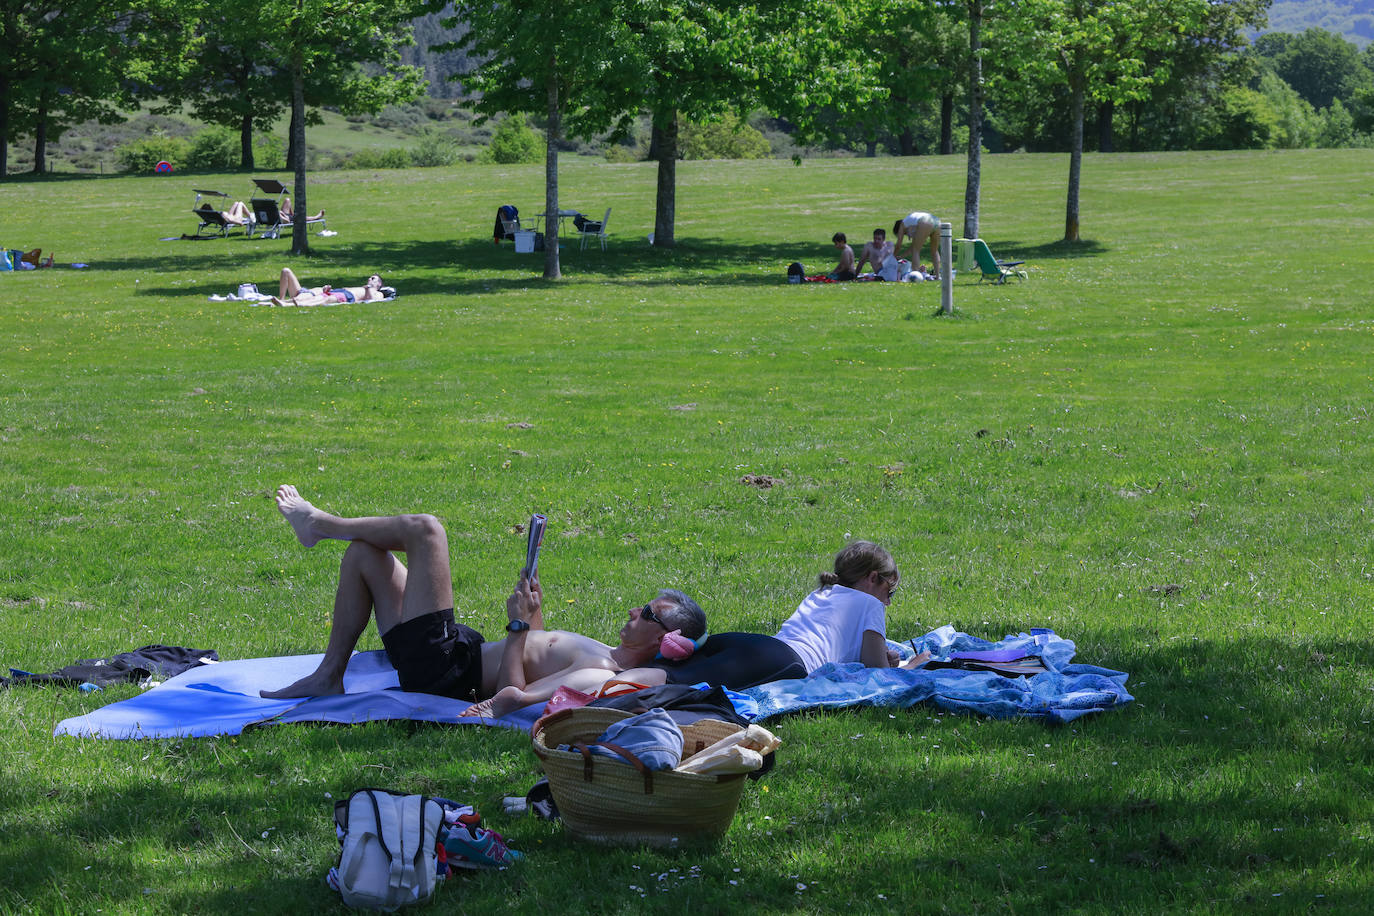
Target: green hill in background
<point x="1352" y="19"/>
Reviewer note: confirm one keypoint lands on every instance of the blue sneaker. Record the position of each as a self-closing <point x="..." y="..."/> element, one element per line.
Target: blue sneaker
<point x="477" y="847"/>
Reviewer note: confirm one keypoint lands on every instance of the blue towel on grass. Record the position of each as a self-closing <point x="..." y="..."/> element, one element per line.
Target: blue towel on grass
<point x="223" y="699"/>
<point x="1061" y="693"/>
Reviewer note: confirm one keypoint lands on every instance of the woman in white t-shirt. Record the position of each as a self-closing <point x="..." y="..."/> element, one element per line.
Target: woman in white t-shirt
<point x="845" y="619"/>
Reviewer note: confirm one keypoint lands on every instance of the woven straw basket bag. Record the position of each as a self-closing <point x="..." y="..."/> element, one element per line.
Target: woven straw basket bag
<point x="610" y="801"/>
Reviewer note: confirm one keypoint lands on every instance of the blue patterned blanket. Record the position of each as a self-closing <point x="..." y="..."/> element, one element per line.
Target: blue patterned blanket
<point x="1061" y="693"/>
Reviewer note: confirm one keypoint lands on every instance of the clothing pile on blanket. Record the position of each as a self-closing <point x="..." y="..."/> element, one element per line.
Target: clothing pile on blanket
<point x="146" y="666"/>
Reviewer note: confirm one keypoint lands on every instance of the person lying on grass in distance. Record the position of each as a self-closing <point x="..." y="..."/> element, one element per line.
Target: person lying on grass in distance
<point x="290" y="291"/>
<point x="413" y="606"/>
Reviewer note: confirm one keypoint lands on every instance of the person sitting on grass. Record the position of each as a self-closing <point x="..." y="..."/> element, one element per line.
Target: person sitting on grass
<point x="432" y="653"/>
<point x="845" y="269"/>
<point x="290" y="291"/>
<point x="876" y="252"/>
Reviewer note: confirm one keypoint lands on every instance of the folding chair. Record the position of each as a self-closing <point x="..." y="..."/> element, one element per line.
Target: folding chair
<point x="267" y="210"/>
<point x="507" y="223"/>
<point x="590" y="227"/>
<point x="992" y="269"/>
<point x="211" y="217"/>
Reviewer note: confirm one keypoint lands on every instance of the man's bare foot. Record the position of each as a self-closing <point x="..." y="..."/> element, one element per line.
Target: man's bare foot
<point x="302" y="515"/>
<point x="313" y="685"/>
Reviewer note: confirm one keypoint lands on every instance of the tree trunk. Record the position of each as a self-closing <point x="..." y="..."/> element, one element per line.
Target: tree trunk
<point x="871" y="149"/>
<point x="246" y="143"/>
<point x="972" y="186"/>
<point x="946" y="124"/>
<point x="1105" y="112"/>
<point x="4" y="127"/>
<point x="1075" y="157"/>
<point x="300" y="242"/>
<point x="906" y="142"/>
<point x="555" y="127"/>
<point x="40" y="135"/>
<point x="291" y="136"/>
<point x="665" y="206"/>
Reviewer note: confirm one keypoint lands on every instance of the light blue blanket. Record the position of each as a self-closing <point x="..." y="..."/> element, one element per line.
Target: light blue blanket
<point x="222" y="699"/>
<point x="1061" y="693"/>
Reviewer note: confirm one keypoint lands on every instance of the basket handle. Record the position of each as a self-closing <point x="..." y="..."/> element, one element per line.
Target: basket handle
<point x="629" y="756"/>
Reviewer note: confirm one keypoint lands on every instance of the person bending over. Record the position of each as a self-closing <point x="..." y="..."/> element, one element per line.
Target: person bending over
<point x="915" y="228"/>
<point x="290" y="291"/>
<point x="413" y="607"/>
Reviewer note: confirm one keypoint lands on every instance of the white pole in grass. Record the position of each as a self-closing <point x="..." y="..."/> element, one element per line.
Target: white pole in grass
<point x="946" y="271"/>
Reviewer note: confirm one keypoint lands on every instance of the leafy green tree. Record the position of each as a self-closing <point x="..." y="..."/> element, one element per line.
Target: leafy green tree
<point x="699" y="60"/>
<point x="234" y="80"/>
<point x="322" y="44"/>
<point x="1200" y="67"/>
<point x="67" y="61"/>
<point x="1319" y="65"/>
<point x="1097" y="51"/>
<point x="537" y="59"/>
<point x="917" y="48"/>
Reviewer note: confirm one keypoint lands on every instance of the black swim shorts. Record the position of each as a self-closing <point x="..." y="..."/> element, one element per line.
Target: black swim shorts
<point x="433" y="654"/>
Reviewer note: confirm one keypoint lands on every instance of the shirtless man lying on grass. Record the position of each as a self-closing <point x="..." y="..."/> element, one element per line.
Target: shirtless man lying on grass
<point x="434" y="654"/>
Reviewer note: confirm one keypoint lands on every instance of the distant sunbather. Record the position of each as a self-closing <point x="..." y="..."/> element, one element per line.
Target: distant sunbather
<point x="290" y="291"/>
<point x="288" y="213"/>
<point x="30" y="260"/>
<point x="238" y="214"/>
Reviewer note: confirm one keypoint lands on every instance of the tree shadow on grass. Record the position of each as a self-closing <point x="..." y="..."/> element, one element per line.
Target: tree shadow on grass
<point x="1058" y="250"/>
<point x="1198" y="773"/>
<point x="477" y="266"/>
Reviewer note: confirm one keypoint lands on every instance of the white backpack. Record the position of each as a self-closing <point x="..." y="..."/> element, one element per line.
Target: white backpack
<point x="388" y="857"/>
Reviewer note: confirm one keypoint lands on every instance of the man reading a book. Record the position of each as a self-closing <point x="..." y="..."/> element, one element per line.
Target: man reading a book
<point x="434" y="654"/>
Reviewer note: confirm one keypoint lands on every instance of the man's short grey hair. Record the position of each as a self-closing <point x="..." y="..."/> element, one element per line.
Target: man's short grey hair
<point x="684" y="614"/>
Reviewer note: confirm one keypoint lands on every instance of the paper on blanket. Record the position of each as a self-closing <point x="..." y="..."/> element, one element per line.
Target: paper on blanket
<point x="223" y="700"/>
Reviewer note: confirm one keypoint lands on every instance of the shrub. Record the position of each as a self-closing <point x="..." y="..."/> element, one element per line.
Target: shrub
<point x="380" y="159"/>
<point x="434" y="148"/>
<point x="514" y="142"/>
<point x="269" y="152"/>
<point x="144" y="155"/>
<point x="726" y="138"/>
<point x="215" y="148"/>
<point x="618" y="152"/>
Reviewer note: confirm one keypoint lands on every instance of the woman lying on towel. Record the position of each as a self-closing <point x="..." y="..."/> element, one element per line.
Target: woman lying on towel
<point x="844" y="620"/>
<point x="290" y="292"/>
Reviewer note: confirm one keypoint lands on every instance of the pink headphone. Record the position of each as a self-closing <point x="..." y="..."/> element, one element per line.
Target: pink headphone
<point x="675" y="646"/>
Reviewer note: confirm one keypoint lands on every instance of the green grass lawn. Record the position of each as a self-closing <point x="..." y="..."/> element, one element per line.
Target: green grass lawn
<point x="1159" y="445"/>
